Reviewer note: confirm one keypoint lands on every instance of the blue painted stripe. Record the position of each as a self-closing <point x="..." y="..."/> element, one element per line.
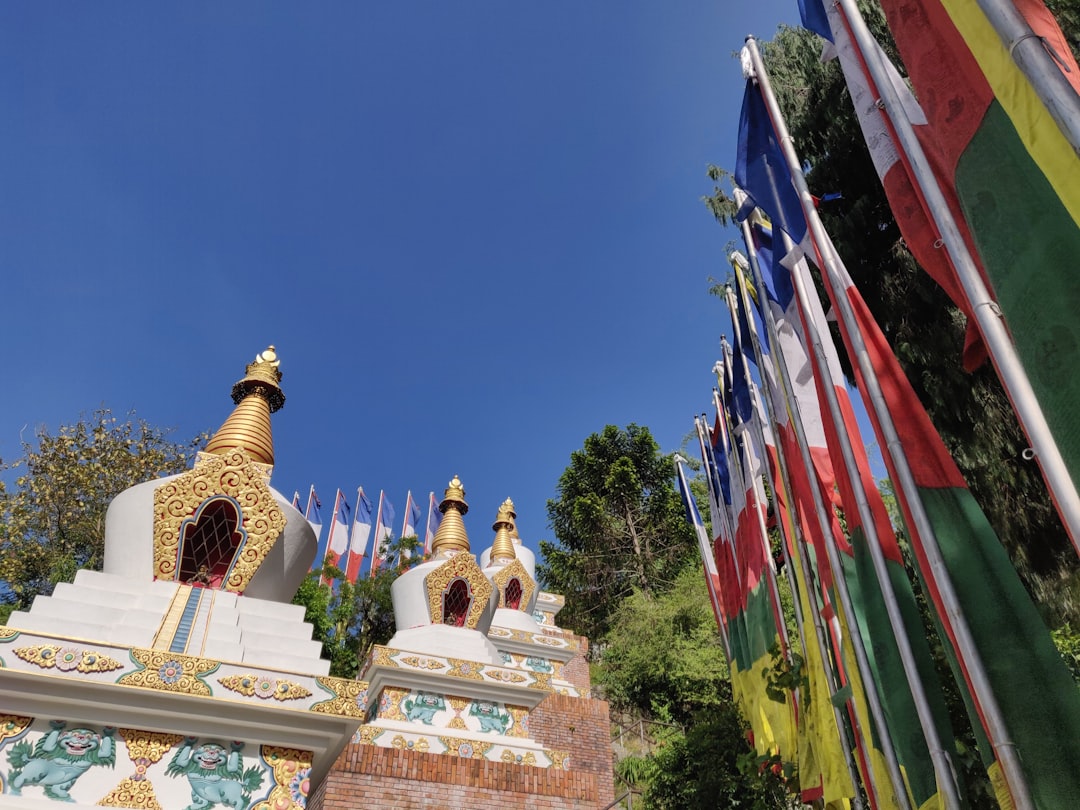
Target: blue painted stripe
<point x="183" y="630"/>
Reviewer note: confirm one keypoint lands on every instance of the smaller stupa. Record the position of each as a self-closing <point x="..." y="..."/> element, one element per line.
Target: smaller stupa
<point x="522" y="642"/>
<point x="439" y="685"/>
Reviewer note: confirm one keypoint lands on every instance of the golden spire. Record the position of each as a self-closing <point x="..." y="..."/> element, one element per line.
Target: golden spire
<point x="451" y="535"/>
<point x="513" y="521"/>
<point x="256" y="396"/>
<point x="503" y="547"/>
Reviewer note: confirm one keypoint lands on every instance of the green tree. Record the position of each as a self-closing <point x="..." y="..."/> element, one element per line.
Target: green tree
<point x="619" y="526"/>
<point x="351" y="618"/>
<point x="970" y="410"/>
<point x="52" y="517"/>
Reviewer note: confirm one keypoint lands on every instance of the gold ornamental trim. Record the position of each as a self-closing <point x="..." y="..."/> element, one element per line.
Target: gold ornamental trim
<point x="170" y="672"/>
<point x="235" y="476"/>
<point x="460" y="566"/>
<point x="350" y="697"/>
<point x="509" y="757"/>
<point x="8" y="632"/>
<point x="366" y="735"/>
<point x="65" y="659"/>
<point x="12" y="725"/>
<point x="510" y="571"/>
<point x="132" y="792"/>
<point x="417" y="662"/>
<point x="560" y="760"/>
<point x="264" y="687"/>
<point x="292" y="778"/>
<point x="460" y="668"/>
<point x="421" y="744"/>
<point x="466" y="749"/>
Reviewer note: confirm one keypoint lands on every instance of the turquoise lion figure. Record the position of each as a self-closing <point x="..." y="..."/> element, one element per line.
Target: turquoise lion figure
<point x="216" y="777"/>
<point x="59" y="759"/>
<point x="491" y="719"/>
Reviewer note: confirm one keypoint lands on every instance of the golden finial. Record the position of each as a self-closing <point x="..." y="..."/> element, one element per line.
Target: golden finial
<point x="512" y="511"/>
<point x="256" y="396"/>
<point x="503" y="547"/>
<point x="451" y="536"/>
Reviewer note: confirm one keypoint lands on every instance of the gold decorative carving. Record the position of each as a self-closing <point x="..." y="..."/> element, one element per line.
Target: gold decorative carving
<point x="148" y="745"/>
<point x="460" y="566"/>
<point x="560" y="760"/>
<point x="235" y="475"/>
<point x="467" y="749"/>
<point x="389" y="707"/>
<point x="12" y="725"/>
<point x="383" y="656"/>
<point x="505" y="676"/>
<point x="508" y="756"/>
<point x="458" y="705"/>
<point x="460" y="668"/>
<point x="422" y="663"/>
<point x="520" y="727"/>
<point x="292" y="778"/>
<point x="549" y="642"/>
<point x="350" y="697"/>
<point x="366" y="735"/>
<point x="264" y="687"/>
<point x="528" y="584"/>
<point x="400" y="743"/>
<point x="66" y="659"/>
<point x="498" y="631"/>
<point x="543" y="681"/>
<point x="170" y="672"/>
<point x="8" y="632"/>
<point x="132" y="792"/>
<point x="144" y="748"/>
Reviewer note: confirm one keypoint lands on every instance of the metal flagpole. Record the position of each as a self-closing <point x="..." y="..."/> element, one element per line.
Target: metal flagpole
<point x="1005" y="749"/>
<point x="1039" y="63"/>
<point x="987" y="313"/>
<point x="798" y="541"/>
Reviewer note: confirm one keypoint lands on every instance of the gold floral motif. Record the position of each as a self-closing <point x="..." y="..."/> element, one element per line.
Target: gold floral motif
<point x="467" y="749"/>
<point x="560" y="760"/>
<point x="383" y="656"/>
<point x="170" y="672"/>
<point x="528" y="584"/>
<point x="237" y="476"/>
<point x="12" y="725"/>
<point x="421" y="663"/>
<point x="550" y="642"/>
<point x="460" y="668"/>
<point x="461" y="566"/>
<point x="264" y="688"/>
<point x="543" y="681"/>
<point x="390" y="703"/>
<point x="148" y="745"/>
<point x="292" y="778"/>
<point x="505" y="676"/>
<point x="500" y="632"/>
<point x="366" y="735"/>
<point x="520" y="727"/>
<point x="66" y="659"/>
<point x="510" y="757"/>
<point x="132" y="792"/>
<point x="350" y="697"/>
<point x="8" y="632"/>
<point x="458" y="705"/>
<point x="421" y="744"/>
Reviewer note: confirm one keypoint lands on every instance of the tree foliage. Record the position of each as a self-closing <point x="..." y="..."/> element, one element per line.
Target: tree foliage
<point x="351" y="618"/>
<point x="970" y="410"/>
<point x="52" y="517"/>
<point x="619" y="527"/>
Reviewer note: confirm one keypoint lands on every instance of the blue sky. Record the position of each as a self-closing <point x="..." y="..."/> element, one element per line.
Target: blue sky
<point x="473" y="230"/>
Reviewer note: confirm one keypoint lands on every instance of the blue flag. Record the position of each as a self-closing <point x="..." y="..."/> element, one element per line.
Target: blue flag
<point x="814" y="18"/>
<point x="760" y="168"/>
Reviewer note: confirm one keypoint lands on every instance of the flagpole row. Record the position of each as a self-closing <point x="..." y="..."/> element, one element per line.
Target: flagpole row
<point x="799" y="541"/>
<point x="1039" y="63"/>
<point x="996" y="730"/>
<point x="862" y="661"/>
<point x="750" y="484"/>
<point x="942" y="766"/>
<point x="729" y="298"/>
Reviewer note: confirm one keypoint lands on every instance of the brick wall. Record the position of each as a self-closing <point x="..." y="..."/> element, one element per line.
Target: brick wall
<point x="576" y="670"/>
<point x="370" y="776"/>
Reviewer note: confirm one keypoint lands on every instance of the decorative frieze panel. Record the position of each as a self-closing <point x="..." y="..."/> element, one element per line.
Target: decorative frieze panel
<point x="66" y="760"/>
